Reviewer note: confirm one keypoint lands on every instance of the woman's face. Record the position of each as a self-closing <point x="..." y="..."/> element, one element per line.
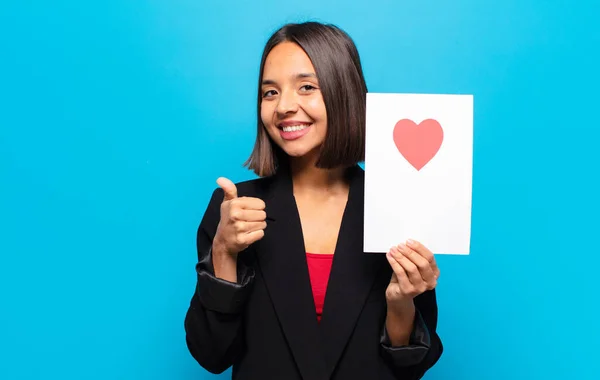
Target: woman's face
<point x="292" y="107"/>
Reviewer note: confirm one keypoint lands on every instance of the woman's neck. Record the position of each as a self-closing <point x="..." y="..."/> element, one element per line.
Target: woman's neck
<point x="307" y="178"/>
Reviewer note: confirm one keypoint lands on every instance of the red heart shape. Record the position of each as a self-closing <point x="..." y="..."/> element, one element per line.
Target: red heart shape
<point x="418" y="143"/>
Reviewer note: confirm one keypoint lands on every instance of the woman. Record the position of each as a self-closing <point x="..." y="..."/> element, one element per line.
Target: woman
<point x="284" y="290"/>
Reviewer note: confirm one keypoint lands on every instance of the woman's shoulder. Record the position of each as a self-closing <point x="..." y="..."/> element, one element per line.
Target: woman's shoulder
<point x="254" y="187"/>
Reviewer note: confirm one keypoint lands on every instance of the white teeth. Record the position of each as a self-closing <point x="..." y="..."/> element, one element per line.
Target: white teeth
<point x="293" y="128"/>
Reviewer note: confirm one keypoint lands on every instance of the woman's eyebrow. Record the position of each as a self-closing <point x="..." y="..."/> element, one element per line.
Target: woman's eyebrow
<point x="266" y="82"/>
<point x="306" y="75"/>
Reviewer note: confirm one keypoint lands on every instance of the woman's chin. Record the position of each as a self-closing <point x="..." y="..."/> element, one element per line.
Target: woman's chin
<point x="300" y="152"/>
<point x="295" y="153"/>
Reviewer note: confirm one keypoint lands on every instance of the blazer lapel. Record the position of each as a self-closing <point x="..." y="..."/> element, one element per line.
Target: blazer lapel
<point x="352" y="276"/>
<point x="282" y="261"/>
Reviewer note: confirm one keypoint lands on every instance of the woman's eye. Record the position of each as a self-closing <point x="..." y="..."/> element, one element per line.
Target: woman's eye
<point x="268" y="93"/>
<point x="308" y="87"/>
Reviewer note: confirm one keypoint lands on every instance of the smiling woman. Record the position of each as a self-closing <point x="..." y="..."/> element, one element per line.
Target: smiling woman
<point x="315" y="71"/>
<point x="284" y="288"/>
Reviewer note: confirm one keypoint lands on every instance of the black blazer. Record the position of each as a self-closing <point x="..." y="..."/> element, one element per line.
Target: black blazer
<point x="266" y="325"/>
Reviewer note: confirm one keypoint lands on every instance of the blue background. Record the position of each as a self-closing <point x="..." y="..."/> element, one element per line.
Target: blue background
<point x="116" y="117"/>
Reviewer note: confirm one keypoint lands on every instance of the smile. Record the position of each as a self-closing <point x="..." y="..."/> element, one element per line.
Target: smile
<point x="293" y="128"/>
<point x="293" y="131"/>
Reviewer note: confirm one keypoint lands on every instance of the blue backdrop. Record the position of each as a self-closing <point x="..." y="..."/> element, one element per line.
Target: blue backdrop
<point x="116" y="117"/>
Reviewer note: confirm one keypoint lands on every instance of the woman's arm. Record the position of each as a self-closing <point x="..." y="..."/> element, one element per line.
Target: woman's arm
<point x="412" y="357"/>
<point x="213" y="322"/>
<point x="409" y="339"/>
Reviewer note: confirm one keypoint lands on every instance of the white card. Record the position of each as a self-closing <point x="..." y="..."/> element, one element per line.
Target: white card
<point x="418" y="171"/>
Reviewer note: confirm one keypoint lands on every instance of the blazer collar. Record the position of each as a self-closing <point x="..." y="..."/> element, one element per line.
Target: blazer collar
<point x="282" y="262"/>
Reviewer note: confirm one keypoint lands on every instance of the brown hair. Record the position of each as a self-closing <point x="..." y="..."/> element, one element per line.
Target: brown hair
<point x="338" y="68"/>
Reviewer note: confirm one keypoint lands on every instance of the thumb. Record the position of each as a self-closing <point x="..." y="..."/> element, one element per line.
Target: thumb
<point x="228" y="187"/>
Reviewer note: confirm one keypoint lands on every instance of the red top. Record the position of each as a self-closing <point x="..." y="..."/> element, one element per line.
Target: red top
<point x="319" y="266"/>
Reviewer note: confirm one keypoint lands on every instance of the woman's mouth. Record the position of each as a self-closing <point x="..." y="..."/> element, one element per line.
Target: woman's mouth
<point x="293" y="131"/>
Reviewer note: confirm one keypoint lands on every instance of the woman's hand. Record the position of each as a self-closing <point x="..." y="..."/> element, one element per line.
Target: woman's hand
<point x="242" y="223"/>
<point x="415" y="271"/>
<point x="242" y="220"/>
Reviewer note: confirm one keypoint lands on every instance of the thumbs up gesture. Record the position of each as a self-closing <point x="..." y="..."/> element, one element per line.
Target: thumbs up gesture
<point x="242" y="219"/>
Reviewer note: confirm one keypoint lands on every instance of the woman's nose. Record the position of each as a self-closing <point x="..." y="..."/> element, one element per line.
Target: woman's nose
<point x="287" y="103"/>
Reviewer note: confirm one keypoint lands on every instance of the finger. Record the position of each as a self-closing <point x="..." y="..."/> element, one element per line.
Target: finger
<point x="228" y="187"/>
<point x="246" y="227"/>
<point x="426" y="253"/>
<point x="399" y="271"/>
<point x="255" y="226"/>
<point x="251" y="203"/>
<point x="396" y="267"/>
<point x="420" y="249"/>
<point x="412" y="271"/>
<point x="245" y="238"/>
<point x="250" y="215"/>
<point x="253" y="236"/>
<point x="421" y="262"/>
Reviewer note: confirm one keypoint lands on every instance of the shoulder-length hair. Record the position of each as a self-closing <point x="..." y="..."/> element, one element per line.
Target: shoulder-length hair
<point x="338" y="68"/>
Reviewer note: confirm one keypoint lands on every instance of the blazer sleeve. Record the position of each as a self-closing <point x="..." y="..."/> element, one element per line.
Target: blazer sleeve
<point x="213" y="322"/>
<point x="425" y="346"/>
